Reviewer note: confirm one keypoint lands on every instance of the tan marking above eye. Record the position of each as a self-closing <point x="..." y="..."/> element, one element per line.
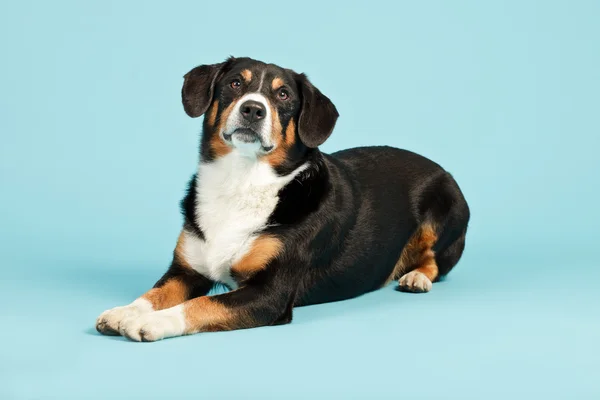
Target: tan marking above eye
<point x="247" y="75"/>
<point x="277" y="83"/>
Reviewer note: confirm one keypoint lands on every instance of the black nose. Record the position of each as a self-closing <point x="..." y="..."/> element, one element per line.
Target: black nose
<point x="253" y="111"/>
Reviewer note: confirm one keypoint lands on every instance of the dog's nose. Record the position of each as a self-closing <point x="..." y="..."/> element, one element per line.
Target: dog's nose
<point x="253" y="111"/>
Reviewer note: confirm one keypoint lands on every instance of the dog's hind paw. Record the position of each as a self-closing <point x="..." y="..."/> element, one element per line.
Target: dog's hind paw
<point x="415" y="282"/>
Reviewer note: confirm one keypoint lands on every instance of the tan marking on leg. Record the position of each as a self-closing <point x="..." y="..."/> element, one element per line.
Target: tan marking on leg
<point x="170" y="294"/>
<point x="212" y="113"/>
<point x="203" y="314"/>
<point x="174" y="291"/>
<point x="247" y="75"/>
<point x="418" y="252"/>
<point x="264" y="249"/>
<point x="421" y="265"/>
<point x="429" y="270"/>
<point x="179" y="251"/>
<point x="276" y="83"/>
<point x="219" y="147"/>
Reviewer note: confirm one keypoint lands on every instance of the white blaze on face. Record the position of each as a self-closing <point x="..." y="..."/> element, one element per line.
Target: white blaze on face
<point x="263" y="129"/>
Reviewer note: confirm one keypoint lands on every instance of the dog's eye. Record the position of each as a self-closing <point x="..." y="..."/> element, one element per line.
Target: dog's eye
<point x="283" y="94"/>
<point x="235" y="84"/>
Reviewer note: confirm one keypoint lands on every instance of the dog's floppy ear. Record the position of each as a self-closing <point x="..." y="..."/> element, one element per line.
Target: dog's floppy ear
<point x="318" y="114"/>
<point x="198" y="87"/>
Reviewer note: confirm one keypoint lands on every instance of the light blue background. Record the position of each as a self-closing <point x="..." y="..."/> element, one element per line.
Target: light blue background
<point x="95" y="151"/>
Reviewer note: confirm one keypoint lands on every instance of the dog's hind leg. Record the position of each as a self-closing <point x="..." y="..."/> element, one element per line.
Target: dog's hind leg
<point x="438" y="243"/>
<point x="417" y="268"/>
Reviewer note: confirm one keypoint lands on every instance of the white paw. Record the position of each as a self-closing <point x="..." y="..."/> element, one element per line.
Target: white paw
<point x="415" y="282"/>
<point x="154" y="326"/>
<point x="108" y="322"/>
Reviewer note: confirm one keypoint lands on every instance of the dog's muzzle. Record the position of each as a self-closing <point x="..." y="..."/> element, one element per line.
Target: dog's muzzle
<point x="247" y="136"/>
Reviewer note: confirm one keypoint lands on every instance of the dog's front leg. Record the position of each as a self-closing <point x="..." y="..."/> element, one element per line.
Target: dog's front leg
<point x="178" y="284"/>
<point x="247" y="307"/>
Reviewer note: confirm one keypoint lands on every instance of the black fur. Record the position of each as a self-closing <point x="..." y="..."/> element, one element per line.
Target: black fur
<point x="198" y="87"/>
<point x="197" y="284"/>
<point x="318" y="116"/>
<point x="188" y="205"/>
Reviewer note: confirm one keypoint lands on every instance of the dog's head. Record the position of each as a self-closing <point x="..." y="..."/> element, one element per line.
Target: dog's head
<point x="259" y="110"/>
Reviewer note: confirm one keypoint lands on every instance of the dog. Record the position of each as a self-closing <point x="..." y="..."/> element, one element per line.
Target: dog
<point x="282" y="224"/>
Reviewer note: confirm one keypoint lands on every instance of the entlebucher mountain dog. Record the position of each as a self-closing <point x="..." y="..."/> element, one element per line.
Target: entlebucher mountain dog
<point x="282" y="224"/>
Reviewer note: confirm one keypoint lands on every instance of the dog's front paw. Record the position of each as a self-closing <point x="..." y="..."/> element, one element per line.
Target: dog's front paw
<point x="154" y="326"/>
<point x="415" y="282"/>
<point x="108" y="322"/>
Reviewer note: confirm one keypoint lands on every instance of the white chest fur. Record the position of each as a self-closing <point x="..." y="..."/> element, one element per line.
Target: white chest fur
<point x="235" y="197"/>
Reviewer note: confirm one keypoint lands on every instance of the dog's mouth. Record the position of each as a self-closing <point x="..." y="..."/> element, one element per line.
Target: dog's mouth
<point x="246" y="136"/>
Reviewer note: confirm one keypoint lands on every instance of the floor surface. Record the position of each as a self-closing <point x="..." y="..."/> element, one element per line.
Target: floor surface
<point x="490" y="331"/>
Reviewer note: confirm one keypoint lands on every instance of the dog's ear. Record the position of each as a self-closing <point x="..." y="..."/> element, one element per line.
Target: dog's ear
<point x="318" y="115"/>
<point x="199" y="85"/>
